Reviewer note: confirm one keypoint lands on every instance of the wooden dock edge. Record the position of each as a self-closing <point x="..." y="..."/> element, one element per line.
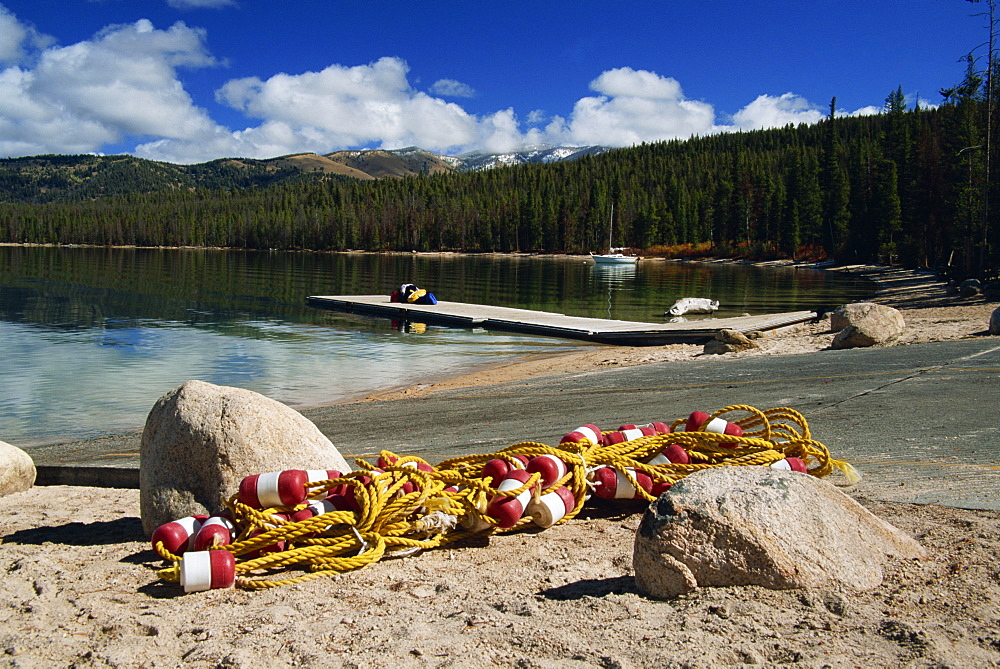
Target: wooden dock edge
<point x="642" y="335"/>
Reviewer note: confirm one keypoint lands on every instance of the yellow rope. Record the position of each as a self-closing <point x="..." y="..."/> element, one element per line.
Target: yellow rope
<point x="402" y="508"/>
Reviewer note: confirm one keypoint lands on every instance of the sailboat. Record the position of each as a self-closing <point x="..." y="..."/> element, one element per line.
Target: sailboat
<point x="614" y="256"/>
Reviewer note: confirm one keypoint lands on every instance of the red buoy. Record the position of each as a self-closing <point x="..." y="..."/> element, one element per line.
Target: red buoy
<point x="215" y="531"/>
<point x="791" y="464"/>
<point x="630" y="434"/>
<point x="549" y="467"/>
<point x="178" y="535"/>
<point x="672" y="454"/>
<point x="549" y="509"/>
<point x="388" y="462"/>
<point x="699" y="421"/>
<point x="508" y="510"/>
<point x="207" y="570"/>
<point x="659" y="487"/>
<point x="587" y="432"/>
<point x="499" y="468"/>
<point x="262" y="491"/>
<point x="613" y="484"/>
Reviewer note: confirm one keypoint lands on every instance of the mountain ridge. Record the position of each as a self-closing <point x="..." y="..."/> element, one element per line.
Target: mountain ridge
<point x="64" y="178"/>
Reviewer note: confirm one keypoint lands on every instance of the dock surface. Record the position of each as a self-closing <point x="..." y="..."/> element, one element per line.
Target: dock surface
<point x="546" y="323"/>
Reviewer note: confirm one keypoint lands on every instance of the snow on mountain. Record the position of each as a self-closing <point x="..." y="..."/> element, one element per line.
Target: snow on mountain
<point x="480" y="160"/>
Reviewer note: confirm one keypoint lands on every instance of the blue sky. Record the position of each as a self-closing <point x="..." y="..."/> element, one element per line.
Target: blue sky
<point x="188" y="81"/>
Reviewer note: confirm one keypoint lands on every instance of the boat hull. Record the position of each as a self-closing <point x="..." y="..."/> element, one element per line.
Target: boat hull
<point x="614" y="259"/>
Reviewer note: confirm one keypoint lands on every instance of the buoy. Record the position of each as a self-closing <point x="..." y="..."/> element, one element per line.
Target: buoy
<point x="549" y="467"/>
<point x="508" y="510"/>
<point x="498" y="468"/>
<point x="714" y="425"/>
<point x="659" y="487"/>
<point x="792" y="464"/>
<point x="631" y="434"/>
<point x="262" y="491"/>
<point x="660" y="428"/>
<point x="208" y="570"/>
<point x="178" y="535"/>
<point x="279" y="545"/>
<point x="587" y="432"/>
<point x="317" y="475"/>
<point x="316" y="507"/>
<point x="215" y="531"/>
<point x="673" y="454"/>
<point x="613" y="484"/>
<point x="409" y="486"/>
<point x="388" y="462"/>
<point x="549" y="509"/>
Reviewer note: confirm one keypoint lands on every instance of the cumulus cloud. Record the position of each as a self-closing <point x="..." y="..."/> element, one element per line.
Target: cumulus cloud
<point x="121" y="83"/>
<point x="16" y="38"/>
<point x="865" y="111"/>
<point x="124" y="84"/>
<point x="633" y="106"/>
<point x="450" y="88"/>
<point x="768" y="111"/>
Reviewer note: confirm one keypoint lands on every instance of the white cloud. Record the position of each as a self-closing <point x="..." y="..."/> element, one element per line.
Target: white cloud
<point x="123" y="82"/>
<point x="870" y="110"/>
<point x="15" y="37"/>
<point x="634" y="106"/>
<point x="338" y="107"/>
<point x="768" y="111"/>
<point x="450" y="88"/>
<point x="536" y="116"/>
<point x="124" y="85"/>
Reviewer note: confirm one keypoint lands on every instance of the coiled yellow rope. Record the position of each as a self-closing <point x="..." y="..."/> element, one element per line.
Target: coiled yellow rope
<point x="451" y="502"/>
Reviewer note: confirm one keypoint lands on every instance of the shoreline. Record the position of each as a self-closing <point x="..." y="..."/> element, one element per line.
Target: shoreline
<point x="930" y="315"/>
<point x="918" y="295"/>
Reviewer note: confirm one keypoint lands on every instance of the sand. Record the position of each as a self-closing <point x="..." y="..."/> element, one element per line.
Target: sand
<point x="80" y="586"/>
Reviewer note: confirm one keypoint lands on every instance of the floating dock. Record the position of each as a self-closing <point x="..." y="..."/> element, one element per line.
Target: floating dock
<point x="599" y="330"/>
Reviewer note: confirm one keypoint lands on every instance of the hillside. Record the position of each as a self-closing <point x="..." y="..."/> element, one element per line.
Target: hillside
<point x="901" y="186"/>
<point x="380" y="164"/>
<point x="56" y="178"/>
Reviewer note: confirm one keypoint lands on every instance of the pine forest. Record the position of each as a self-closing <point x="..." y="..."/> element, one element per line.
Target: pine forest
<point x="912" y="186"/>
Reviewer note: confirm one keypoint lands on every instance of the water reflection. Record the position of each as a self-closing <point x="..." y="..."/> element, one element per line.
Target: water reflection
<point x="92" y="337"/>
<point x="611" y="278"/>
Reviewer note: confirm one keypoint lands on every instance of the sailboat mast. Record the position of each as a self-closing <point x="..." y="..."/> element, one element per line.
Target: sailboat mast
<point x="611" y="230"/>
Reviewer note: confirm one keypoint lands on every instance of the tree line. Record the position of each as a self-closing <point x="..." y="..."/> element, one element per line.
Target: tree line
<point x="906" y="185"/>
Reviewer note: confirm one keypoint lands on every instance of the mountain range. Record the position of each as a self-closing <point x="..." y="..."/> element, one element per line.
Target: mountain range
<point x="54" y="178"/>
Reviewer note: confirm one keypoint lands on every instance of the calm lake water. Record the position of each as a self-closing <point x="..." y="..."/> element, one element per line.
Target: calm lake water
<point x="90" y="338"/>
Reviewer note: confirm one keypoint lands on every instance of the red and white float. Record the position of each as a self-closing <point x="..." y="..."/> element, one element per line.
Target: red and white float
<point x="508" y="510"/>
<point x="215" y="531"/>
<point x="263" y="491"/>
<point x="549" y="509"/>
<point x="178" y="535"/>
<point x="207" y="570"/>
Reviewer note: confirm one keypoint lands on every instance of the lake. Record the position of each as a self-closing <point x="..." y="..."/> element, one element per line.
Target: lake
<point x="91" y="337"/>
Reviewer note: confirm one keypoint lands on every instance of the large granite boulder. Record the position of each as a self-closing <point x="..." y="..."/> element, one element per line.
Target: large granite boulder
<point x="201" y="440"/>
<point x="17" y="469"/>
<point x="865" y="324"/>
<point x="728" y="341"/>
<point x="995" y="322"/>
<point x="729" y="526"/>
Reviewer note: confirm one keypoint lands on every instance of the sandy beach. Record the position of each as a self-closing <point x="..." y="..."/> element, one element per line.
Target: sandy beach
<point x="81" y="589"/>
